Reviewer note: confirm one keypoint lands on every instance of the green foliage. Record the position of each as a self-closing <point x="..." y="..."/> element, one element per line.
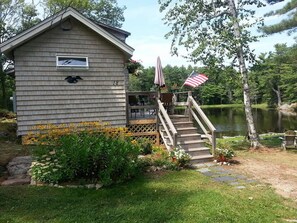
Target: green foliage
<point x="146" y="146"/>
<point x="289" y="24"/>
<point x="175" y="160"/>
<point x="92" y="157"/>
<point x="276" y="73"/>
<point x="222" y="87"/>
<point x="15" y="16"/>
<point x="180" y="156"/>
<point x="240" y="143"/>
<point x="233" y="143"/>
<point x="207" y="28"/>
<point x="28" y="17"/>
<point x="105" y="11"/>
<point x="4" y="113"/>
<point x="227" y="154"/>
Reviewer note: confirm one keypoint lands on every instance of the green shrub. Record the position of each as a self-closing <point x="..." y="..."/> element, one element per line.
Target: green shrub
<point x="145" y="146"/>
<point x="161" y="158"/>
<point x="223" y="151"/>
<point x="180" y="156"/>
<point x="6" y="114"/>
<point x="93" y="157"/>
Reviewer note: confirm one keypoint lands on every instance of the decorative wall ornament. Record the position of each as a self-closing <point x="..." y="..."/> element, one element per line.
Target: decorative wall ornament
<point x="72" y="79"/>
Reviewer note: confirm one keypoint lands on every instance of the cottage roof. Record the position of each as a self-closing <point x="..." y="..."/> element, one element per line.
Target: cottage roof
<point x="108" y="32"/>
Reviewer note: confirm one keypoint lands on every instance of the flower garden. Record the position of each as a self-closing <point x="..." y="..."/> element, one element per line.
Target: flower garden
<point x="94" y="152"/>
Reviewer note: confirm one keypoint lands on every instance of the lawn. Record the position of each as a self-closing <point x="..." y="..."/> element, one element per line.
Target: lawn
<point x="185" y="196"/>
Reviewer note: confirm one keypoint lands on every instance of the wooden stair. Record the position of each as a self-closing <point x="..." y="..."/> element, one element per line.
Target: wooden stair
<point x="189" y="139"/>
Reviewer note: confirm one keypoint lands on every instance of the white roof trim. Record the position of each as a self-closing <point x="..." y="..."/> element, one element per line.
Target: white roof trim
<point x="53" y="20"/>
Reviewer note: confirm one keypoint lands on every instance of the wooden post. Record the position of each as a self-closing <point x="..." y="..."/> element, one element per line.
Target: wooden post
<point x="127" y="109"/>
<point x="213" y="137"/>
<point x="189" y="104"/>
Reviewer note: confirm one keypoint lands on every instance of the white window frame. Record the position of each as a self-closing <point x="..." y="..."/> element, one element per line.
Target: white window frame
<point x="72" y="66"/>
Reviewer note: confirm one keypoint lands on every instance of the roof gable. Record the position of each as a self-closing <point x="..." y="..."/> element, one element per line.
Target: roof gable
<point x="102" y="30"/>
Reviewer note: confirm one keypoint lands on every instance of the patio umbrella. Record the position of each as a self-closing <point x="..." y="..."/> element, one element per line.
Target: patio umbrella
<point x="159" y="77"/>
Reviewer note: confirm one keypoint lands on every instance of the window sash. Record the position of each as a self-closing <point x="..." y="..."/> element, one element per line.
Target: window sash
<point x="72" y="61"/>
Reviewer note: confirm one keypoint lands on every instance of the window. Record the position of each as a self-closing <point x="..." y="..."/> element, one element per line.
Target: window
<point x="72" y="62"/>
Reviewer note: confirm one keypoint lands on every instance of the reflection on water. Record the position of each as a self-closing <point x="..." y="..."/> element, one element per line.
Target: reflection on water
<point x="231" y="121"/>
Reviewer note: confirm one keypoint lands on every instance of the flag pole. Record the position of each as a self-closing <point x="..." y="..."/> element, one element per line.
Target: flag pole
<point x="186" y="79"/>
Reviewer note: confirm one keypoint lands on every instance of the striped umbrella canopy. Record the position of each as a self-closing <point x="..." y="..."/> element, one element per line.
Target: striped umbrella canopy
<point x="159" y="77"/>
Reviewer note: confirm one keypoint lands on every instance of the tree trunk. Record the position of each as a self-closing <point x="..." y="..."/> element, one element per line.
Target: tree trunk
<point x="278" y="95"/>
<point x="230" y="95"/>
<point x="252" y="133"/>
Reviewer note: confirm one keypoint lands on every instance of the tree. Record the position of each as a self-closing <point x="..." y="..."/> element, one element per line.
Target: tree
<point x="8" y="16"/>
<point x="214" y="31"/>
<point x="10" y="23"/>
<point x="105" y="11"/>
<point x="289" y="24"/>
<point x="29" y="17"/>
<point x="275" y="74"/>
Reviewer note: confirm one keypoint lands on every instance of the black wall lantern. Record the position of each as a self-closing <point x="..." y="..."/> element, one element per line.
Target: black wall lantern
<point x="72" y="79"/>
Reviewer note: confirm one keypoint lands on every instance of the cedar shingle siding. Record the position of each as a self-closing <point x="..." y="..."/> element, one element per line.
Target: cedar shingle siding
<point x="43" y="95"/>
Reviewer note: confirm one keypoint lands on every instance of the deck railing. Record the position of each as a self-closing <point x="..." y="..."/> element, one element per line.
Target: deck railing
<point x="141" y="115"/>
<point x="204" y="123"/>
<point x="168" y="126"/>
<point x="141" y="105"/>
<point x="145" y="110"/>
<point x="194" y="111"/>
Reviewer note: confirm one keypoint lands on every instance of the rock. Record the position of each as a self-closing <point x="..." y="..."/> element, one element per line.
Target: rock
<point x="98" y="186"/>
<point x="3" y="134"/>
<point x="289" y="109"/>
<point x="19" y="165"/>
<point x="151" y="169"/>
<point x="72" y="186"/>
<point x="12" y="182"/>
<point x="33" y="182"/>
<point x="90" y="186"/>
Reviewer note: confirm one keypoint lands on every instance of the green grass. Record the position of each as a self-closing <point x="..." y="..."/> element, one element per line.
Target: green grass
<point x="240" y="143"/>
<point x="263" y="106"/>
<point x="185" y="196"/>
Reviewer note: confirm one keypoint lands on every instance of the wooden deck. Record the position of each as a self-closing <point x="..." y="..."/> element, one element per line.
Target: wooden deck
<point x="141" y="115"/>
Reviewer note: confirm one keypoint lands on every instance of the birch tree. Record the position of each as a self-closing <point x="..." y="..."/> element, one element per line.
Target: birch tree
<point x="213" y="32"/>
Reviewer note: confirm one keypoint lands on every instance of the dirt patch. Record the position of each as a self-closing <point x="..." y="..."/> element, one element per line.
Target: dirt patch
<point x="275" y="167"/>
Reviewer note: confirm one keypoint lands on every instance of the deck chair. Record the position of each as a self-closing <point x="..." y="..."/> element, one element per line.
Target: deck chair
<point x="133" y="101"/>
<point x="289" y="140"/>
<point x="166" y="99"/>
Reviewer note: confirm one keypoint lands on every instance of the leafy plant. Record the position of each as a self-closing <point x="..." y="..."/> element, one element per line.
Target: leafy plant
<point x="145" y="145"/>
<point x="6" y="114"/>
<point x="227" y="153"/>
<point x="224" y="152"/>
<point x="134" y="67"/>
<point x="101" y="153"/>
<point x="182" y="158"/>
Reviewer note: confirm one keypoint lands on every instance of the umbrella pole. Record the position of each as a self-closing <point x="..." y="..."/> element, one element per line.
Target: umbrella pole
<point x="157" y="114"/>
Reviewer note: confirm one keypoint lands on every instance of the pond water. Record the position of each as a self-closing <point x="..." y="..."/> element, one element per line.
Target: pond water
<point x="231" y="121"/>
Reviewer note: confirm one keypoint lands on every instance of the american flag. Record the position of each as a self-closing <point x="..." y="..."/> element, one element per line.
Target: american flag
<point x="195" y="79"/>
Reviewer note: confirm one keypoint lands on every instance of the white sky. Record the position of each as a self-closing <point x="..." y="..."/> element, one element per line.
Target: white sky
<point x="144" y="21"/>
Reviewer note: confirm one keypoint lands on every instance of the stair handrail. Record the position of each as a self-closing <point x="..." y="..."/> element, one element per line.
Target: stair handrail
<point x="171" y="132"/>
<point x="212" y="129"/>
